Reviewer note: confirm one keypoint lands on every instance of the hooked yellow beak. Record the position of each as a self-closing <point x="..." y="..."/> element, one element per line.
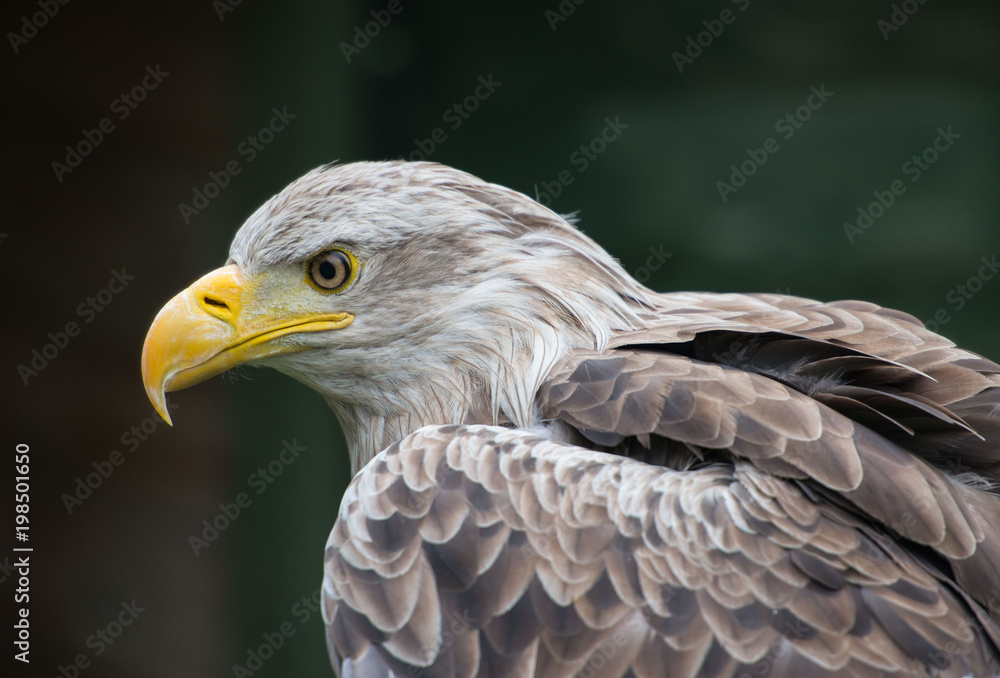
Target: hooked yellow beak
<point x="210" y="327"/>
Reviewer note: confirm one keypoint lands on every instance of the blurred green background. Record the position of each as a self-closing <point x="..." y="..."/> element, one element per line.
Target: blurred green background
<point x="559" y="71"/>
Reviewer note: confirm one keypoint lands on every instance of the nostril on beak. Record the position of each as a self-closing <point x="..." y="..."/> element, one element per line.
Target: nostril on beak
<point x="215" y="306"/>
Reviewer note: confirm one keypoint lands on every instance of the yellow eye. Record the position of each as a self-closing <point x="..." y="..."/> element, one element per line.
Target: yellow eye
<point x="333" y="270"/>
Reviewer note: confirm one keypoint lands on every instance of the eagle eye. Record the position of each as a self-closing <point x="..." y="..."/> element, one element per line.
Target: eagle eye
<point x="333" y="270"/>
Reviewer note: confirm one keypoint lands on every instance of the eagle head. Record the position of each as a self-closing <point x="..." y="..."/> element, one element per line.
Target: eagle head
<point x="405" y="293"/>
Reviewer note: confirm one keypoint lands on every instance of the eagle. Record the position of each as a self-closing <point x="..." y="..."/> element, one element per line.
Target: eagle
<point x="560" y="472"/>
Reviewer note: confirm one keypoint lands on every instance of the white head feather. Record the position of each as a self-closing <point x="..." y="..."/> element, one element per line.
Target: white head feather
<point x="469" y="293"/>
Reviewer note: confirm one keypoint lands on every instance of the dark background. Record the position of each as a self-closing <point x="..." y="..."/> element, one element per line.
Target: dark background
<point x="652" y="190"/>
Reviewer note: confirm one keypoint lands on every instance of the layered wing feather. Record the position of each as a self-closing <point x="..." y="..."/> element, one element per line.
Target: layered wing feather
<point x="893" y="418"/>
<point x="477" y="550"/>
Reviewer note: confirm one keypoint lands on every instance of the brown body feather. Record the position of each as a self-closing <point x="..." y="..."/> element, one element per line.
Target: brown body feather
<point x="805" y="520"/>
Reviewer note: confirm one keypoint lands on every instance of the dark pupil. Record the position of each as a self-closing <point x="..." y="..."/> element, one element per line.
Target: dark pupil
<point x="328" y="270"/>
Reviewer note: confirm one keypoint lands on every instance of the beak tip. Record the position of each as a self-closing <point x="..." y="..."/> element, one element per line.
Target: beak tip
<point x="158" y="398"/>
<point x="155" y="386"/>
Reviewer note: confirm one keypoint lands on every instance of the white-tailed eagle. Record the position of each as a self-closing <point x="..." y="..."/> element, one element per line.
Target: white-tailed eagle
<point x="559" y="472"/>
